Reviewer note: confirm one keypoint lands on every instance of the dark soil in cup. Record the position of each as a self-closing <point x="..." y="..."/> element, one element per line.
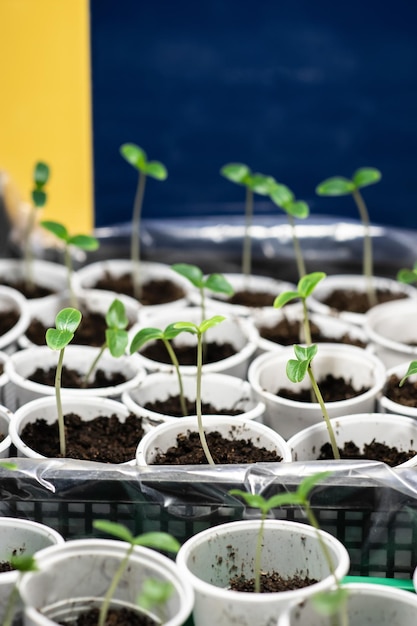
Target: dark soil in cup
<point x="187" y="354"/>
<point x="332" y="389"/>
<point x="287" y="333"/>
<point x="8" y="319"/>
<point x="102" y="439"/>
<point x="356" y="301"/>
<point x="74" y="380"/>
<point x="250" y="298"/>
<point x="156" y="291"/>
<point x="172" y="406"/>
<point x="373" y="451"/>
<point x="271" y="582"/>
<point x="405" y="395"/>
<point x="115" y="617"/>
<point x="30" y="291"/>
<point x="6" y="566"/>
<point x="188" y="451"/>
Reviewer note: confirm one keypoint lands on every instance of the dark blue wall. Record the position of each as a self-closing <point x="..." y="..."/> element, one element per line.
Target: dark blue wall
<point x="300" y="90"/>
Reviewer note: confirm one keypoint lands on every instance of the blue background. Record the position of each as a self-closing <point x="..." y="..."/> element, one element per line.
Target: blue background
<point x="300" y="90"/>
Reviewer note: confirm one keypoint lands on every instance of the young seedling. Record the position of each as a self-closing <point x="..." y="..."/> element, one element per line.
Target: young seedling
<point x="216" y="283"/>
<point x="39" y="199"/>
<point x="66" y="323"/>
<point x="145" y="335"/>
<point x="408" y="276"/>
<point x="83" y="242"/>
<point x="134" y="155"/>
<point x="305" y="288"/>
<point x="301" y="497"/>
<point x="340" y="186"/>
<point x="296" y="371"/>
<point x="240" y="174"/>
<point x="156" y="540"/>
<point x="117" y="336"/>
<point x="412" y="369"/>
<point x="199" y="331"/>
<point x="22" y="563"/>
<point x="155" y="593"/>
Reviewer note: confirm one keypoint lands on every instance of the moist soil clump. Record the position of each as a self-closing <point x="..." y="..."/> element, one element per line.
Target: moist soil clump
<point x="102" y="439"/>
<point x="156" y="291"/>
<point x="187" y="355"/>
<point x="115" y="617"/>
<point x="188" y="451"/>
<point x="72" y="379"/>
<point x="405" y="395"/>
<point x="90" y="332"/>
<point x="332" y="389"/>
<point x="8" y="319"/>
<point x="250" y="298"/>
<point x="29" y="290"/>
<point x="287" y="333"/>
<point x="373" y="451"/>
<point x="6" y="566"/>
<point x="356" y="301"/>
<point x="271" y="582"/>
<point x="172" y="406"/>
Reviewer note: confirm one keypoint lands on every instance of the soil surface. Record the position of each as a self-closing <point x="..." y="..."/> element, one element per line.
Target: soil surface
<point x="373" y="451"/>
<point x="6" y="566"/>
<point x="287" y="333"/>
<point x="153" y="292"/>
<point x="271" y="582"/>
<point x="30" y="291"/>
<point x="188" y="451"/>
<point x="332" y="389"/>
<point x="172" y="406"/>
<point x="8" y="319"/>
<point x="73" y="380"/>
<point x="115" y="617"/>
<point x="102" y="439"/>
<point x="357" y="302"/>
<point x="405" y="395"/>
<point x="186" y="354"/>
<point x="250" y="298"/>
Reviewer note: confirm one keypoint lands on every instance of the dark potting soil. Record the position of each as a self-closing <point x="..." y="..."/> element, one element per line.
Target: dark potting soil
<point x="6" y="566"/>
<point x="102" y="439"/>
<point x="8" y="319"/>
<point x="188" y="451"/>
<point x="250" y="298"/>
<point x="157" y="291"/>
<point x="186" y="354"/>
<point x="90" y="332"/>
<point x="405" y="395"/>
<point x="73" y="380"/>
<point x="332" y="389"/>
<point x="30" y="291"/>
<point x="287" y="333"/>
<point x="373" y="451"/>
<point x="357" y="302"/>
<point x="271" y="582"/>
<point x="115" y="617"/>
<point x="172" y="406"/>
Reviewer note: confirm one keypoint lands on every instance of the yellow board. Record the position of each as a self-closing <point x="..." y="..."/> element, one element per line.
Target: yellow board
<point x="45" y="104"/>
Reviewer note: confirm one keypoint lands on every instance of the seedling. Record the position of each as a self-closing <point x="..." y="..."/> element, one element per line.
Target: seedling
<point x="83" y="242"/>
<point x="22" y="563"/>
<point x="296" y="371"/>
<point x="156" y="540"/>
<point x="66" y="322"/>
<point x="39" y="199"/>
<point x="199" y="331"/>
<point x="305" y="288"/>
<point x="216" y="283"/>
<point x="408" y="276"/>
<point x="117" y="336"/>
<point x="145" y="335"/>
<point x="412" y="369"/>
<point x="240" y="174"/>
<point x="134" y="155"/>
<point x="340" y="186"/>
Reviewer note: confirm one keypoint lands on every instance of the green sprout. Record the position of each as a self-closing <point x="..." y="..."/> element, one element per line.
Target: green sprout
<point x="145" y="335"/>
<point x="22" y="563"/>
<point x="305" y="288"/>
<point x="83" y="242"/>
<point x="296" y="371"/>
<point x="407" y="276"/>
<point x="240" y="174"/>
<point x="199" y="331"/>
<point x="216" y="283"/>
<point x="117" y="336"/>
<point x="39" y="199"/>
<point x="412" y="369"/>
<point x="155" y="593"/>
<point x="66" y="322"/>
<point x="134" y="155"/>
<point x="155" y="540"/>
<point x="340" y="186"/>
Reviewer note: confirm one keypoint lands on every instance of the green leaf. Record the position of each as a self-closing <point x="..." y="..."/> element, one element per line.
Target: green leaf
<point x="253" y="500"/>
<point x="39" y="198"/>
<point x="283" y="499"/>
<point x="212" y="321"/>
<point x="58" y="339"/>
<point x="407" y="276"/>
<point x="308" y="283"/>
<point x="190" y="272"/>
<point x="235" y="172"/>
<point x="285" y="297"/>
<point x="114" y="529"/>
<point x="171" y="332"/>
<point x="305" y="352"/>
<point x="308" y="483"/>
<point x="296" y="370"/>
<point x="23" y="562"/>
<point x="261" y="184"/>
<point x="56" y="229"/>
<point x="330" y="602"/>
<point x="219" y="284"/>
<point x="412" y="369"/>
<point x="156" y="170"/>
<point x="158" y="541"/>
<point x="84" y="242"/>
<point x="366" y="176"/>
<point x="40" y="174"/>
<point x="143" y="336"/>
<point x="299" y="209"/>
<point x="117" y="340"/>
<point x="134" y="155"/>
<point x="335" y="186"/>
<point x="68" y="319"/>
<point x="154" y="592"/>
<point x="116" y="315"/>
<point x="187" y="327"/>
<point x="281" y="195"/>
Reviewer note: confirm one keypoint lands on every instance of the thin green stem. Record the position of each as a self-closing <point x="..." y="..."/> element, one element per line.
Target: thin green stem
<point x="297" y="249"/>
<point x="68" y="265"/>
<point x="93" y="365"/>
<point x="198" y="399"/>
<point x="258" y="554"/>
<point x="320" y="400"/>
<point x="113" y="586"/>
<point x="367" y="247"/>
<point x="247" y="243"/>
<point x="61" y="425"/>
<point x="306" y="323"/>
<point x="176" y="365"/>
<point x="135" y="241"/>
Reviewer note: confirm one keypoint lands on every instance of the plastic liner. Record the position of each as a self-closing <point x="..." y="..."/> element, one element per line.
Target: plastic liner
<point x="371" y="508"/>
